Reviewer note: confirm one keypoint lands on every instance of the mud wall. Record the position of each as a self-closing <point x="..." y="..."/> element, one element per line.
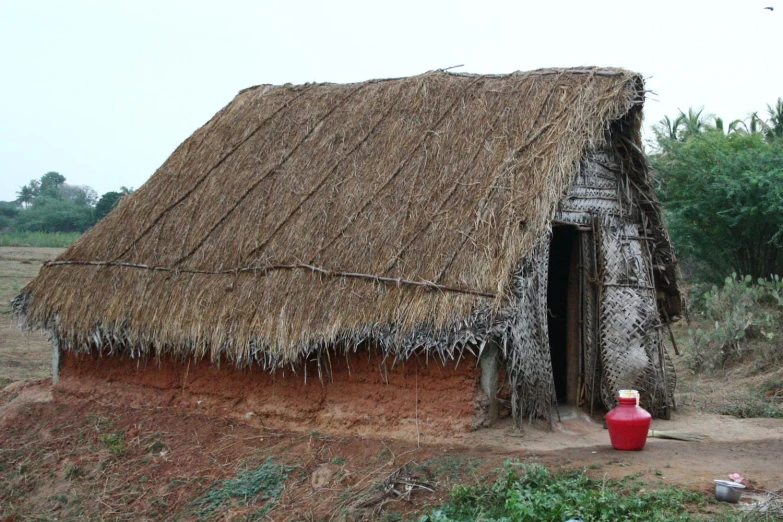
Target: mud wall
<point x="361" y="394"/>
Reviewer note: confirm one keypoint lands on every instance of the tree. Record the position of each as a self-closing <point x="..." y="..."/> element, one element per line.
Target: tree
<point x="79" y="194"/>
<point x="723" y="195"/>
<point x="51" y="179"/>
<point x="734" y="126"/>
<point x="693" y="122"/>
<point x="774" y="126"/>
<point x="55" y="215"/>
<point x="106" y="204"/>
<point x="109" y="201"/>
<point x="8" y="211"/>
<point x="25" y="196"/>
<point x="667" y="131"/>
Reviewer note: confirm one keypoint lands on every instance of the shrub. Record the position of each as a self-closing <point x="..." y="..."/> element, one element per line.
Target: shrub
<point x="740" y="311"/>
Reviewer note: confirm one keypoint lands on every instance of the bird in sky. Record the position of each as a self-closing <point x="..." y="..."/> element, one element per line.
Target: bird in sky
<point x="770" y="8"/>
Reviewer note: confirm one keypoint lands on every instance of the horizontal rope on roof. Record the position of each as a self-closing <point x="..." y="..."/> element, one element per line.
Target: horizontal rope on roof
<point x="271" y="268"/>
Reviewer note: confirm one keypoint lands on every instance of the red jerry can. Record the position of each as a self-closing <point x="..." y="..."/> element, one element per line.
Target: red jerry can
<point x="628" y="424"/>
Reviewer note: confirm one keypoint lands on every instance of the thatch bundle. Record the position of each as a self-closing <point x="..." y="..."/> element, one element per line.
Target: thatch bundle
<point x="307" y="216"/>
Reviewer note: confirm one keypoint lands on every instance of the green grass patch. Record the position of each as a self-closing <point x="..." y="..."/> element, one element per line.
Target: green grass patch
<point x="114" y="442"/>
<point x="252" y="487"/>
<point x="39" y="239"/>
<point x="530" y="492"/>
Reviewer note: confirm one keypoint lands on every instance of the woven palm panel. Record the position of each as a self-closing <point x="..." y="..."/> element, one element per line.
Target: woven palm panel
<point x="588" y="192"/>
<point x="590" y="205"/>
<point x="630" y="326"/>
<point x="525" y="343"/>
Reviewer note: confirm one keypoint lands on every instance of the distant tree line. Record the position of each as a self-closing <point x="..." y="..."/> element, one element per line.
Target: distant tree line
<point x="721" y="186"/>
<point x="49" y="204"/>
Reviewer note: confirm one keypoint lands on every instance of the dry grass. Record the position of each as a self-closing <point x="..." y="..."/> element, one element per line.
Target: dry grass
<point x="439" y="178"/>
<point x="23" y="355"/>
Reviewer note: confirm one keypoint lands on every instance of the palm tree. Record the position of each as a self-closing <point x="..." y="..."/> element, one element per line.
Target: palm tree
<point x="774" y="125"/>
<point x="734" y="126"/>
<point x="667" y="130"/>
<point x="25" y="196"/>
<point x="693" y="122"/>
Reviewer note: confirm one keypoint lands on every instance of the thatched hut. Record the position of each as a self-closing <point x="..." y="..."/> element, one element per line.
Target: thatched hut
<point x="504" y="223"/>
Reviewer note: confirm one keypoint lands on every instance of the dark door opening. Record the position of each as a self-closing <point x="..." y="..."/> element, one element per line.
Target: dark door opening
<point x="563" y="312"/>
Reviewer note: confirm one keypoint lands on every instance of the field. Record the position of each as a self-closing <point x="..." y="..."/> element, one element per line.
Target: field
<point x="74" y="454"/>
<point x="23" y="355"/>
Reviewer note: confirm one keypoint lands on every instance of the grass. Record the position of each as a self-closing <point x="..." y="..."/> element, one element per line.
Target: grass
<point x="525" y="492"/>
<point x="450" y="467"/>
<point x="754" y="406"/>
<point x="251" y="487"/>
<point x="38" y="239"/>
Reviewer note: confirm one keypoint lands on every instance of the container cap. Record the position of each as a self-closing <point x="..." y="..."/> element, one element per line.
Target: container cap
<point x="735" y="485"/>
<point x="629" y="394"/>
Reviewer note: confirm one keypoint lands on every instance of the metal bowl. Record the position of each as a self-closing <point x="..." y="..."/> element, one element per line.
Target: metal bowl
<point x="728" y="491"/>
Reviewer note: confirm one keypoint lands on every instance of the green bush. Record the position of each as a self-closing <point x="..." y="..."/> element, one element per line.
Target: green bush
<point x="741" y="311"/>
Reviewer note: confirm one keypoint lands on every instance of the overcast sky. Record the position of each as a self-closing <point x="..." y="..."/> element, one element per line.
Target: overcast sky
<point x="103" y="91"/>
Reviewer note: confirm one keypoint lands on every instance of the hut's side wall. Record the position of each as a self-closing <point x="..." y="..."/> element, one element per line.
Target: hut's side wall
<point x="359" y="392"/>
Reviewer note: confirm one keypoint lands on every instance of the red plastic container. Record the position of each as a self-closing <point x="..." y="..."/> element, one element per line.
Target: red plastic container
<point x="628" y="425"/>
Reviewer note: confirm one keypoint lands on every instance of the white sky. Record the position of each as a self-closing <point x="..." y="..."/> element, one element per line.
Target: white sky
<point x="103" y="91"/>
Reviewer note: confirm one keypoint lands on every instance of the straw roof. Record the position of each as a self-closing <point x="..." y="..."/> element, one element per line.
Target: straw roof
<point x="299" y="216"/>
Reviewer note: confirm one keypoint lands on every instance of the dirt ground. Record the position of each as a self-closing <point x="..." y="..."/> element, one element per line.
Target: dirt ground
<point x="77" y="457"/>
<point x="71" y="454"/>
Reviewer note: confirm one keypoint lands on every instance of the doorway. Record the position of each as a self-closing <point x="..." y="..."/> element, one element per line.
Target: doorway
<point x="563" y="312"/>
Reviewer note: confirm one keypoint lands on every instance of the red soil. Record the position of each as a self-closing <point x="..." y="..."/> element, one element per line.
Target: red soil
<point x="361" y="395"/>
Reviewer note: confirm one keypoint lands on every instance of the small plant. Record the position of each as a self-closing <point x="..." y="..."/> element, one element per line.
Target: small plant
<point x="114" y="442"/>
<point x="338" y="460"/>
<point x="73" y="471"/>
<point x="251" y="486"/>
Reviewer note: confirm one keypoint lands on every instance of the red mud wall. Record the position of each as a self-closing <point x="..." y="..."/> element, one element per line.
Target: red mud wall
<point x="362" y="396"/>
